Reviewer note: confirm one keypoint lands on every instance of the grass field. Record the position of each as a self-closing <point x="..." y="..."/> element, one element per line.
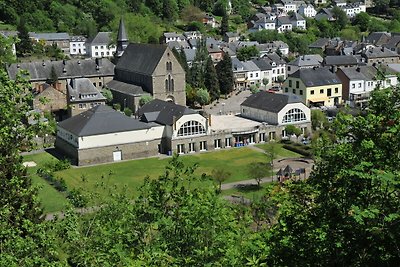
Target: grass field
<point x="280" y="152"/>
<point x="104" y="178"/>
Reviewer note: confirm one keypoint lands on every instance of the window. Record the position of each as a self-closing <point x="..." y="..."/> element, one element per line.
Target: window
<point x="290" y="83"/>
<point x="261" y="137"/>
<point x="108" y="53"/>
<point x="329" y="92"/>
<point x="297" y="84"/>
<point x="286" y="90"/>
<point x="180" y="148"/>
<point x="256" y="74"/>
<point x="97" y="53"/>
<point x="166" y="85"/>
<point x="73" y="45"/>
<point x="191" y="148"/>
<point x="168" y="66"/>
<point x="217" y="143"/>
<point x="227" y="142"/>
<point x="203" y="145"/>
<point x="100" y="84"/>
<point x="102" y="53"/>
<point x="191" y="128"/>
<point x="359" y="85"/>
<point x="294" y="91"/>
<point x="288" y="68"/>
<point x="353" y="86"/>
<point x="102" y="47"/>
<point x="321" y="91"/>
<point x="301" y="92"/>
<point x="96" y="47"/>
<point x="272" y="135"/>
<point x="74" y="50"/>
<point x="294" y="115"/>
<point x="336" y="90"/>
<point x="251" y="75"/>
<point x="94" y="84"/>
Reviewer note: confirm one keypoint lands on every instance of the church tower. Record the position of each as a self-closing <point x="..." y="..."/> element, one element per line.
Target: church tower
<point x="122" y="39"/>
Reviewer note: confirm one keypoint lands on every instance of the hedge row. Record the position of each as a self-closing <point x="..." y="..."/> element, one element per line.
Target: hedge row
<point x="298" y="149"/>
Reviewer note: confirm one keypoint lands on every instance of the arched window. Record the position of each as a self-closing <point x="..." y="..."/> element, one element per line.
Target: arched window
<point x="166" y="85"/>
<point x="191" y="128"/>
<point x="294" y="115"/>
<point x="171" y="87"/>
<point x="169" y="66"/>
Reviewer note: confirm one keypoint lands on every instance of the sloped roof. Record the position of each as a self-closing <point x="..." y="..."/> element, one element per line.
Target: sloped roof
<point x="316" y="77"/>
<point x="101" y="38"/>
<point x="307" y="60"/>
<point x="272" y="102"/>
<point x="50" y="36"/>
<point x="296" y="17"/>
<point x="283" y="20"/>
<point x="126" y="88"/>
<point x="378" y="38"/>
<point x="82" y="89"/>
<point x="262" y="63"/>
<point x="366" y="73"/>
<point x="379" y="52"/>
<point x="141" y="58"/>
<point x="101" y="120"/>
<point x="340" y="60"/>
<point x="320" y="43"/>
<point x="250" y="66"/>
<point x="393" y="42"/>
<point x="122" y="36"/>
<point x="40" y="70"/>
<point x="166" y="111"/>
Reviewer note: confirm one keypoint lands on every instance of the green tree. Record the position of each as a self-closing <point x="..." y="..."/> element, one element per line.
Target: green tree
<point x="224" y="24"/>
<point x="347" y="211"/>
<point x="211" y="80"/>
<point x="170" y="10"/>
<point x="202" y="97"/>
<point x="381" y="5"/>
<point x="318" y="119"/>
<point x="225" y="74"/>
<point x="341" y="18"/>
<point x="144" y="100"/>
<point x="128" y="111"/>
<point x="362" y="20"/>
<point x="265" y="82"/>
<point x="53" y="77"/>
<point x="258" y="170"/>
<point x="24" y="46"/>
<point x="220" y="175"/>
<point x="108" y="95"/>
<point x="6" y="54"/>
<point x="248" y="52"/>
<point x="291" y="129"/>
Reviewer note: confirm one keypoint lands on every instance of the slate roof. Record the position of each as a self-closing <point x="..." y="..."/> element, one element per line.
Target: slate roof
<point x="276" y="58"/>
<point x="296" y="17"/>
<point x="366" y="73"/>
<point x="122" y="36"/>
<point x="101" y="120"/>
<point x="320" y="43"/>
<point x="272" y="102"/>
<point x="50" y="36"/>
<point x="9" y="33"/>
<point x="126" y="88"/>
<point x="190" y="54"/>
<point x="250" y="66"/>
<point x="82" y="89"/>
<point x="378" y="38"/>
<point x="263" y="64"/>
<point x="316" y="77"/>
<point x="378" y="52"/>
<point x="283" y="20"/>
<point x="232" y="34"/>
<point x="307" y="60"/>
<point x="393" y="42"/>
<point x="340" y="60"/>
<point x="101" y="38"/>
<point x="40" y="70"/>
<point x="141" y="58"/>
<point x="166" y="111"/>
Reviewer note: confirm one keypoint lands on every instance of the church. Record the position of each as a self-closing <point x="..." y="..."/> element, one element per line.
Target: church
<point x="146" y="69"/>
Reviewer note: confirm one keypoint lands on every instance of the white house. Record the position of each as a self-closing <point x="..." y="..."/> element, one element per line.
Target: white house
<point x="253" y="73"/>
<point x="289" y="6"/>
<point x="283" y="24"/>
<point x="77" y="46"/>
<point x="172" y="36"/>
<point x="277" y="109"/>
<point x="100" y="46"/>
<point x="307" y="10"/>
<point x="298" y="21"/>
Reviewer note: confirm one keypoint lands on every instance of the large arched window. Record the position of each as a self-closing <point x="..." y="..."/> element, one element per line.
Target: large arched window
<point x="191" y="128"/>
<point x="294" y="115"/>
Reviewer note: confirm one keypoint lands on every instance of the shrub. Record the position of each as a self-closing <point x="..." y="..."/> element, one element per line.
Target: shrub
<point x="298" y="149"/>
<point x="77" y="198"/>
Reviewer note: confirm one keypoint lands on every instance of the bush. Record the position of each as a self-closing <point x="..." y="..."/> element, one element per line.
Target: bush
<point x="77" y="198"/>
<point x="298" y="149"/>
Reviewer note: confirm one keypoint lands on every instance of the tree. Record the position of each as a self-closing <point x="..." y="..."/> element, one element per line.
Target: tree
<point x="362" y="20"/>
<point x="128" y="111"/>
<point x="211" y="80"/>
<point x="225" y="74"/>
<point x="190" y="95"/>
<point x="220" y="175"/>
<point x="108" y="95"/>
<point x="144" y="99"/>
<point x="170" y="10"/>
<point x="347" y="211"/>
<point x="341" y="18"/>
<point x="265" y="81"/>
<point x="318" y="119"/>
<point x="247" y="52"/>
<point x="6" y="54"/>
<point x="381" y="5"/>
<point x="53" y="78"/>
<point x="202" y="97"/>
<point x="258" y="170"/>
<point x="24" y="46"/>
<point x="291" y="129"/>
<point x="224" y="23"/>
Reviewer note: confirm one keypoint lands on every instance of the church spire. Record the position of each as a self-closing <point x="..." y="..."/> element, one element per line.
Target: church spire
<point x="122" y="39"/>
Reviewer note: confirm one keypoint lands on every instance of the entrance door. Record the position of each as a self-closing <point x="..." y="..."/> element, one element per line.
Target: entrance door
<point x="117" y="155"/>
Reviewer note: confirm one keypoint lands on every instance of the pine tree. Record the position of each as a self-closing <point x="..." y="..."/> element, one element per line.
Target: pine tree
<point x="24" y="46"/>
<point x="211" y="80"/>
<point x="53" y="76"/>
<point x="225" y="74"/>
<point x="224" y="23"/>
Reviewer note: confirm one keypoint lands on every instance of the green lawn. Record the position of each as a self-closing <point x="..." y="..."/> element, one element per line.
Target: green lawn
<point x="252" y="194"/>
<point x="279" y="151"/>
<point x="51" y="199"/>
<point x="105" y="178"/>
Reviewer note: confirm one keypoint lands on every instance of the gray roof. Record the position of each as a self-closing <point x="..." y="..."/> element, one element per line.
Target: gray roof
<point x="272" y="102"/>
<point x="263" y="64"/>
<point x="167" y="111"/>
<point x="101" y="38"/>
<point x="232" y="34"/>
<point x="50" y="36"/>
<point x="378" y="38"/>
<point x="9" y="33"/>
<point x="340" y="60"/>
<point x="101" y="120"/>
<point x="320" y="43"/>
<point x="78" y="38"/>
<point x="296" y="17"/>
<point x="283" y="20"/>
<point x="307" y="60"/>
<point x="274" y="57"/>
<point x="393" y="42"/>
<point x="122" y="36"/>
<point x="316" y="77"/>
<point x="172" y="34"/>
<point x="190" y="54"/>
<point x="141" y="58"/>
<point x="366" y="73"/>
<point x="126" y="88"/>
<point x="250" y="66"/>
<point x="82" y="90"/>
<point x="379" y="52"/>
<point x="40" y="70"/>
<point x="237" y="65"/>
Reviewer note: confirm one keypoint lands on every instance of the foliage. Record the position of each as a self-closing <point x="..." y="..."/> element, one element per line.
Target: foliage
<point x="254" y="89"/>
<point x="362" y="20"/>
<point x="224" y="24"/>
<point x="220" y="175"/>
<point x="144" y="100"/>
<point x="291" y="129"/>
<point x="225" y="74"/>
<point x="211" y="80"/>
<point x="128" y="112"/>
<point x="108" y="95"/>
<point x="259" y="170"/>
<point x="117" y="106"/>
<point x="246" y="53"/>
<point x="24" y="46"/>
<point x="202" y="97"/>
<point x="6" y="54"/>
<point x="318" y="119"/>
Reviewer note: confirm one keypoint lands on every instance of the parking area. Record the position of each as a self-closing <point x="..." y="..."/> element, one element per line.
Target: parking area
<point x="228" y="106"/>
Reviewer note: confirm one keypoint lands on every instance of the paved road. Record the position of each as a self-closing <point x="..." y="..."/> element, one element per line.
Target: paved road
<point x="228" y="106"/>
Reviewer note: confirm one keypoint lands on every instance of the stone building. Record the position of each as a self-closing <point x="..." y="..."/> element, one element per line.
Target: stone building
<point x="49" y="98"/>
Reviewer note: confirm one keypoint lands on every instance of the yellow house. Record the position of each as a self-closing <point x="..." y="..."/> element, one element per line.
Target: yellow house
<point x="316" y="86"/>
